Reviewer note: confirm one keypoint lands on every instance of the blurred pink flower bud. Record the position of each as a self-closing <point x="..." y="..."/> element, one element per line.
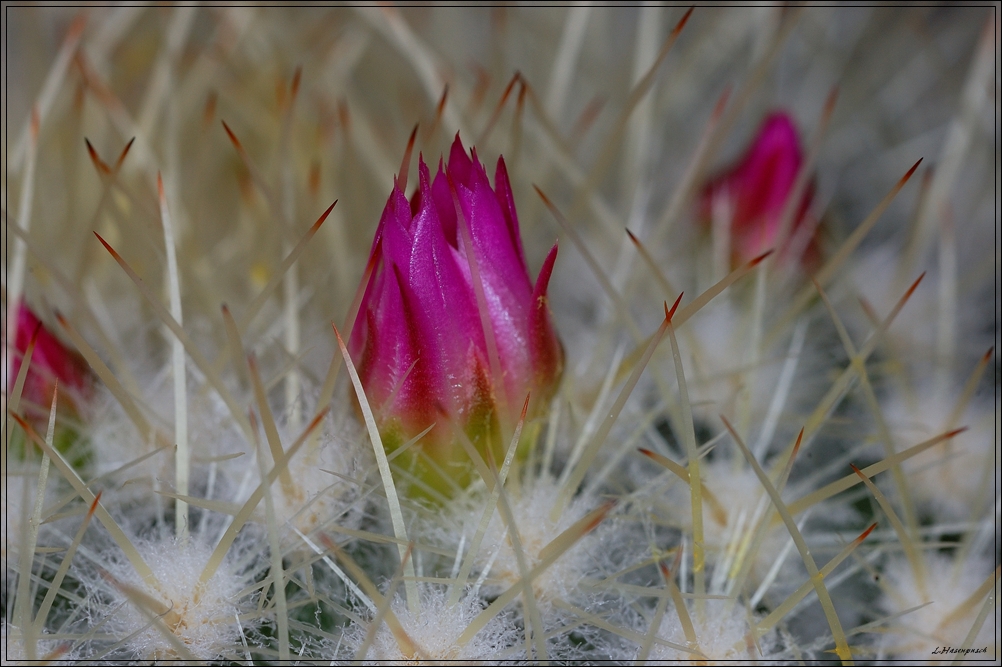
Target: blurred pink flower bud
<point x="419" y="340"/>
<point x="754" y="192"/>
<point x="50" y="361"/>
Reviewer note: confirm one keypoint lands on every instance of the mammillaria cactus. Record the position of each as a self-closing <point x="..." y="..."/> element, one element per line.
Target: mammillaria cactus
<point x="767" y="431"/>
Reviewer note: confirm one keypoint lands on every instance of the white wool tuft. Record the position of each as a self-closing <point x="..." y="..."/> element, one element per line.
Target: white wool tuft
<point x="723" y="632"/>
<point x="434" y="632"/>
<point x="531" y="511"/>
<point x="946" y="590"/>
<point x="203" y="619"/>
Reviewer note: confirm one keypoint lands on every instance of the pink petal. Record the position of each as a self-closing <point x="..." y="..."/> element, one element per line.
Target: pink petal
<point x="500" y="260"/>
<point x="393" y="362"/>
<point x="502" y="188"/>
<point x="442" y="195"/>
<point x="50" y="361"/>
<point x="460" y="164"/>
<point x="545" y="348"/>
<point x="446" y="309"/>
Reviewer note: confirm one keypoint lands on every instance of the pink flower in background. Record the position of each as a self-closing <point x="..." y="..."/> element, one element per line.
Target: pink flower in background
<point x="50" y="361"/>
<point x="754" y="192"/>
<point x="419" y="340"/>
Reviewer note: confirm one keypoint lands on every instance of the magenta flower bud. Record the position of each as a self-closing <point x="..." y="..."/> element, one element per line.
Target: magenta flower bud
<point x="50" y="361"/>
<point x="419" y="340"/>
<point x="754" y="192"/>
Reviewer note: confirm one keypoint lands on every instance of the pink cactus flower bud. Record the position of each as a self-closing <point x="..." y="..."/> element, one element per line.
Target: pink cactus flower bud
<point x="50" y="361"/>
<point x="419" y="340"/>
<point x="753" y="194"/>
